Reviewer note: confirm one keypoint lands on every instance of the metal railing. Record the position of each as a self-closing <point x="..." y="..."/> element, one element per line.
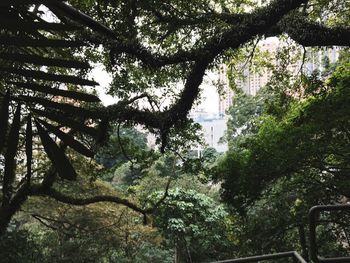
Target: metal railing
<point x="290" y="254"/>
<point x="313" y="212"/>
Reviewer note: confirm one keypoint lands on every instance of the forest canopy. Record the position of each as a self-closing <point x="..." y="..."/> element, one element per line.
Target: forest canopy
<point x="60" y="147"/>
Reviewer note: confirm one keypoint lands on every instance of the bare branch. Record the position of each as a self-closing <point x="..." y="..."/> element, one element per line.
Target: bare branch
<point x="42" y="221"/>
<point x="301" y="68"/>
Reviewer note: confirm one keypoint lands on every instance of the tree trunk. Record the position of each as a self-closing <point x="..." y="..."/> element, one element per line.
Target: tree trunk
<point x="302" y="240"/>
<point x="177" y="256"/>
<point x="9" y="210"/>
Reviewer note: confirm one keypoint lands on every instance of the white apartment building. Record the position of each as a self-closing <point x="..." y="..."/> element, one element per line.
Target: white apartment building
<point x="213" y="128"/>
<point x="315" y="59"/>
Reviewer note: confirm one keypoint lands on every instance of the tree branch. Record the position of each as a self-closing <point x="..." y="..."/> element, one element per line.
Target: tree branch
<point x="161" y="200"/>
<point x="81" y="18"/>
<point x="250" y="25"/>
<point x="39" y="191"/>
<point x="308" y="34"/>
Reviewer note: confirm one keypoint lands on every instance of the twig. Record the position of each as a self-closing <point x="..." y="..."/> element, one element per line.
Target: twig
<point x="302" y="62"/>
<point x="160" y="201"/>
<point x="251" y="55"/>
<point x="41" y="220"/>
<point x="177" y="154"/>
<point x="122" y="147"/>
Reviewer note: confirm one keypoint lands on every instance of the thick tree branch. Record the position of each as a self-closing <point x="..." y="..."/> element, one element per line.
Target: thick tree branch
<point x="38" y="191"/>
<point x="259" y="22"/>
<point x="166" y="119"/>
<point x="8" y="211"/>
<point x="250" y="25"/>
<point x="180" y="109"/>
<point x="148" y="57"/>
<point x="308" y="33"/>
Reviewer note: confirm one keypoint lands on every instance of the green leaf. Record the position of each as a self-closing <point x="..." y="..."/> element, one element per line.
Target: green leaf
<point x="60" y="118"/>
<point x="10" y="162"/>
<point x="36" y="74"/>
<point x="57" y="156"/>
<point x="69" y="140"/>
<point x="58" y="92"/>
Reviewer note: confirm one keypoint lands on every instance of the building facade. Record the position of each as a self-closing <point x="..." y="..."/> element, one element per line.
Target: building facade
<point x="213" y="128"/>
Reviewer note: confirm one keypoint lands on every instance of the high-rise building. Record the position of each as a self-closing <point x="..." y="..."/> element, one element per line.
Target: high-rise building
<point x="251" y="81"/>
<point x="226" y="96"/>
<point x="213" y="128"/>
<point x="317" y="60"/>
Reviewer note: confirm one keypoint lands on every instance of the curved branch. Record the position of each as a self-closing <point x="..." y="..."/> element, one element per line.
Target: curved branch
<point x="250" y="25"/>
<point x="150" y="59"/>
<point x="162" y="199"/>
<point x="86" y="200"/>
<point x="161" y="120"/>
<point x="256" y="23"/>
<point x="183" y="105"/>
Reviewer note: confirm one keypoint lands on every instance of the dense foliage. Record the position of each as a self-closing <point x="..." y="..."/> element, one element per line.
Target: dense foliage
<point x="279" y="167"/>
<point x="78" y="181"/>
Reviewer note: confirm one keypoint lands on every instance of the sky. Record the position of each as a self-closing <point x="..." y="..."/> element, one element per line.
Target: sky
<point x="103" y="78"/>
<point x="210" y="102"/>
<point x="210" y="96"/>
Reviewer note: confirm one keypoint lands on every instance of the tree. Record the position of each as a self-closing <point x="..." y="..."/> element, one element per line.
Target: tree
<point x="56" y="232"/>
<point x="121" y="143"/>
<point x="311" y="136"/>
<point x="195" y="225"/>
<point x="147" y="48"/>
<point x="272" y="175"/>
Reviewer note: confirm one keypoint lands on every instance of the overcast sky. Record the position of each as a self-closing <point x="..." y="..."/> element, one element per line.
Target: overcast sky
<point x="210" y="96"/>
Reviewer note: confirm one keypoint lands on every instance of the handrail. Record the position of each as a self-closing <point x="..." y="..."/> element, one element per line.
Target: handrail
<point x="289" y="254"/>
<point x="313" y="212"/>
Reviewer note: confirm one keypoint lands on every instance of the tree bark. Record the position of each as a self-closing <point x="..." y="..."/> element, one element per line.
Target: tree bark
<point x="7" y="211"/>
<point x="303" y="244"/>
